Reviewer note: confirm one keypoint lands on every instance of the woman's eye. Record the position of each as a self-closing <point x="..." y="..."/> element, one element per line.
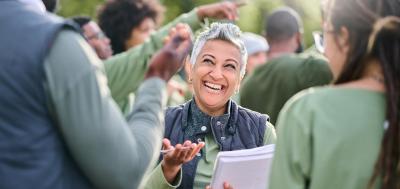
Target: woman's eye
<point x="208" y="61"/>
<point x="232" y="66"/>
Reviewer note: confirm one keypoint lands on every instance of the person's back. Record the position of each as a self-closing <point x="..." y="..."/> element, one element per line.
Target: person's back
<point x="347" y="135"/>
<point x="59" y="127"/>
<point x="334" y="116"/>
<point x="270" y="85"/>
<point x="28" y="135"/>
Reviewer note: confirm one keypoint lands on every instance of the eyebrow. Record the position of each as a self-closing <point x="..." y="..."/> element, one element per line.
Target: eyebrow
<point x="229" y="59"/>
<point x="204" y="55"/>
<point x="233" y="60"/>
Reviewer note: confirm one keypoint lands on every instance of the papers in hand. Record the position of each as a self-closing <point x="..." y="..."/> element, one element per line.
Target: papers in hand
<point x="243" y="169"/>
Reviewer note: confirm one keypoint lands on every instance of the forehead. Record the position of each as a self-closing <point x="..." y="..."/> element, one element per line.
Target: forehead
<point x="221" y="48"/>
<point x="91" y="27"/>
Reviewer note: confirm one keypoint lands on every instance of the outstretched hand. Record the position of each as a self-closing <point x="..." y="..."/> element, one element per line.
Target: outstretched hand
<point x="223" y="10"/>
<point x="167" y="61"/>
<point x="176" y="156"/>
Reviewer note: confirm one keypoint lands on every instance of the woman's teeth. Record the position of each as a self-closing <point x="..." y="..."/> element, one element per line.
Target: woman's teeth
<point x="213" y="86"/>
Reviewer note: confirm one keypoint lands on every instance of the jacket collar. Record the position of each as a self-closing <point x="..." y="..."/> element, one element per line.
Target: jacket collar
<point x="193" y="119"/>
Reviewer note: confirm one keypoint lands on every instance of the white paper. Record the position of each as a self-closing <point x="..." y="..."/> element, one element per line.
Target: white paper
<point x="243" y="169"/>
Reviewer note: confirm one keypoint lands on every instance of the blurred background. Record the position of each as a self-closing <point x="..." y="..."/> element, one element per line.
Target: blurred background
<point x="251" y="15"/>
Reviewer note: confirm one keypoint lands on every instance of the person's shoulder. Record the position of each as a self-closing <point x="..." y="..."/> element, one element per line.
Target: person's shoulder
<point x="258" y="115"/>
<point x="174" y="111"/>
<point x="311" y="98"/>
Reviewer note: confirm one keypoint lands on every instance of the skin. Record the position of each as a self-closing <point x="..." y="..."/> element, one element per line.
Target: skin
<point x="255" y="60"/>
<point x="216" y="76"/>
<point x="97" y="40"/>
<point x="218" y="65"/>
<point x="182" y="153"/>
<point x="140" y="33"/>
<point x="336" y="50"/>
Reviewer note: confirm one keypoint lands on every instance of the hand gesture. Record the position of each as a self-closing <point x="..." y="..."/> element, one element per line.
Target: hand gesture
<point x="170" y="58"/>
<point x="223" y="10"/>
<point x="174" y="157"/>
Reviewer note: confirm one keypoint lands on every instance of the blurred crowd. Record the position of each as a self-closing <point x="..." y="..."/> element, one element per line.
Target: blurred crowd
<point x="121" y="101"/>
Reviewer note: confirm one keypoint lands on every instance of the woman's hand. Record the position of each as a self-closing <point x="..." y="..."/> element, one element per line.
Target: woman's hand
<point x="226" y="186"/>
<point x="174" y="157"/>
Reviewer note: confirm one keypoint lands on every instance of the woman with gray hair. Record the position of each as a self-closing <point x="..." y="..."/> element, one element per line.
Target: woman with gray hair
<point x="211" y="118"/>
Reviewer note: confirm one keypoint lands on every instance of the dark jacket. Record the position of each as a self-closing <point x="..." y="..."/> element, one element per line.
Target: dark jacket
<point x="243" y="129"/>
<point x="32" y="152"/>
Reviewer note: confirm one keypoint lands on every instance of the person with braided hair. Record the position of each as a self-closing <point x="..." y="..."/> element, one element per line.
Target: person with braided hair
<point x="347" y="135"/>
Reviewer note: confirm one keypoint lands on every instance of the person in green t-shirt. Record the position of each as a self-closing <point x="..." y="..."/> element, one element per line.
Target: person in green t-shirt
<point x="347" y="135"/>
<point x="270" y="85"/>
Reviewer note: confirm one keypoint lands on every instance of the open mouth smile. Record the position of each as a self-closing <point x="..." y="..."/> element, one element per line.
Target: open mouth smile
<point x="212" y="87"/>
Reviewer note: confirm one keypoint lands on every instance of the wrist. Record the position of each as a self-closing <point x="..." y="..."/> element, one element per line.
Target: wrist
<point x="170" y="172"/>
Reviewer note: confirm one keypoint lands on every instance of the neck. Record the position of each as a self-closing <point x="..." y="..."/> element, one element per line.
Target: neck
<point x="211" y="111"/>
<point x="278" y="49"/>
<point x="374" y="71"/>
<point x="371" y="79"/>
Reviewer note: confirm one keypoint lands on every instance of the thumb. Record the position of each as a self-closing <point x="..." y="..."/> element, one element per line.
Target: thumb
<point x="166" y="143"/>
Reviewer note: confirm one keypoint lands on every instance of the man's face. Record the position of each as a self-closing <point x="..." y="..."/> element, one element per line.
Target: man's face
<point x="96" y="38"/>
<point x="255" y="60"/>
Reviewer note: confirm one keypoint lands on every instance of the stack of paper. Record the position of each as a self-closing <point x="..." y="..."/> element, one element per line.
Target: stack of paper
<point x="243" y="169"/>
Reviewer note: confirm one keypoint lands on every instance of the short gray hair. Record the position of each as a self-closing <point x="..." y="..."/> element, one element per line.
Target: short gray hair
<point x="221" y="31"/>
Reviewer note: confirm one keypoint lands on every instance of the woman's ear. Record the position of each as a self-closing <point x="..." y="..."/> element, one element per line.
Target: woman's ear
<point x="188" y="70"/>
<point x="343" y="39"/>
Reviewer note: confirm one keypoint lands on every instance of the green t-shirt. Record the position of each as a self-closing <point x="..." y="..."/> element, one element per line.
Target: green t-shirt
<point x="125" y="71"/>
<point x="328" y="138"/>
<point x="270" y="85"/>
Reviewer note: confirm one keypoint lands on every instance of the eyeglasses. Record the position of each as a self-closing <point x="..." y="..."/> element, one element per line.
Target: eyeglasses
<point x="318" y="37"/>
<point x="97" y="35"/>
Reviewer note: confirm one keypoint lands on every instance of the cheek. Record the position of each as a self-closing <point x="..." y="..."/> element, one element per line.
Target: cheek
<point x="335" y="56"/>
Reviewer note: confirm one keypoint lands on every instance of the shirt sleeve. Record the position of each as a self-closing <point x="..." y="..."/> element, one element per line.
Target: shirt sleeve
<point x="111" y="151"/>
<point x="125" y="71"/>
<point x="292" y="159"/>
<point x="269" y="135"/>
<point x="157" y="180"/>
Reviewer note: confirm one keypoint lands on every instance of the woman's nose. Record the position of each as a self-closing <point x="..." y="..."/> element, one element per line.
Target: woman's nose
<point x="216" y="73"/>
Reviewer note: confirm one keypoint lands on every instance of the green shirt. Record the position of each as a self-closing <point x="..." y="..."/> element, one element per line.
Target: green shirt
<point x="328" y="138"/>
<point x="270" y="85"/>
<point x="125" y="71"/>
<point x="112" y="152"/>
<point x="204" y="167"/>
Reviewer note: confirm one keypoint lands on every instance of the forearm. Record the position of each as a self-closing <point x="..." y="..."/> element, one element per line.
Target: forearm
<point x="125" y="71"/>
<point x="111" y="152"/>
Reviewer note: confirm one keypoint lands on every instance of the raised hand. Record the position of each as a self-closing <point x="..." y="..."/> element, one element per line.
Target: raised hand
<point x="223" y="10"/>
<point x="174" y="157"/>
<point x="169" y="59"/>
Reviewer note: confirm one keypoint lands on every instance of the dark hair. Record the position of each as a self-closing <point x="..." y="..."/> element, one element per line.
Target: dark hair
<point x="117" y="19"/>
<point x="282" y="24"/>
<point x="51" y="5"/>
<point x="81" y="20"/>
<point x="374" y="33"/>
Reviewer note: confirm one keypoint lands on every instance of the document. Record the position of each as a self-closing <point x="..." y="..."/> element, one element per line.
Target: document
<point x="243" y="169"/>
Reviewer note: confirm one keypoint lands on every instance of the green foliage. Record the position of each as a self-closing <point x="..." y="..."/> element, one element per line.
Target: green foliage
<point x="251" y="15"/>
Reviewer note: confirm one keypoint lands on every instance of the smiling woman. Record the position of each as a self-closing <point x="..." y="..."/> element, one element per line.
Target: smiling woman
<point x="218" y="63"/>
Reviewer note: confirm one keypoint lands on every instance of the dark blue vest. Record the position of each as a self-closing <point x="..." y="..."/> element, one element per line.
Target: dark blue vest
<point x="32" y="152"/>
<point x="243" y="130"/>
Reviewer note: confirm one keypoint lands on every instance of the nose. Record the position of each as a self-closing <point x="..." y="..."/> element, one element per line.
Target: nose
<point x="216" y="73"/>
